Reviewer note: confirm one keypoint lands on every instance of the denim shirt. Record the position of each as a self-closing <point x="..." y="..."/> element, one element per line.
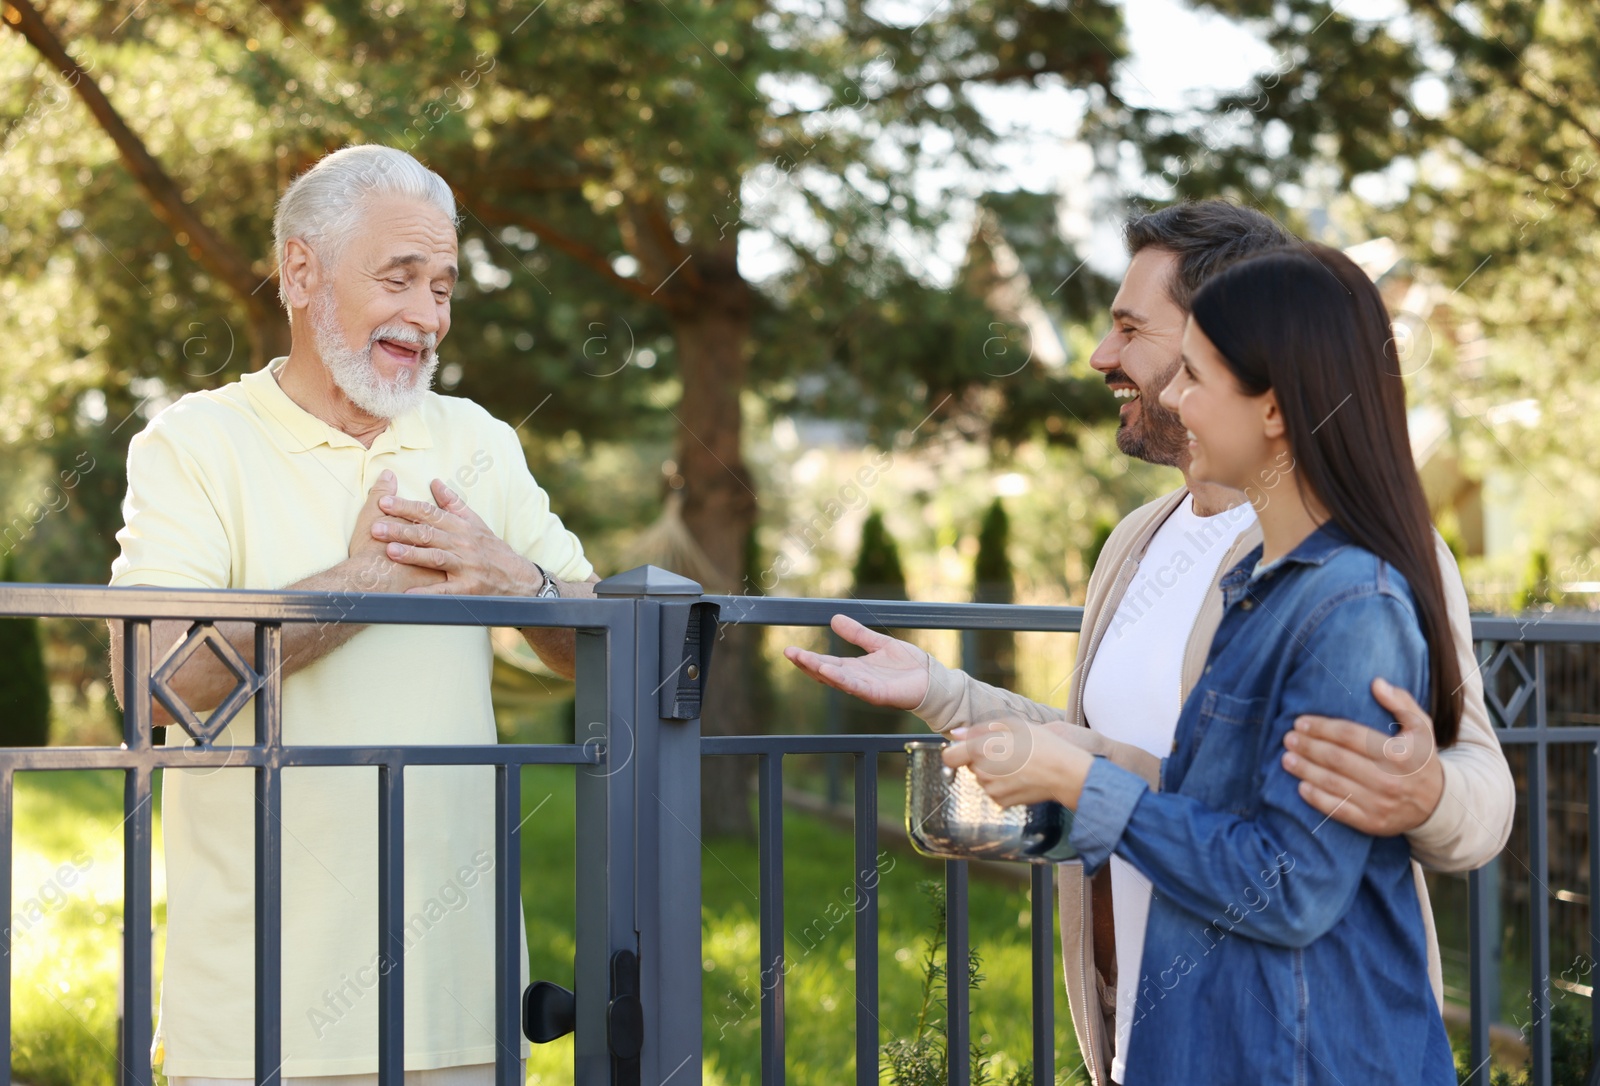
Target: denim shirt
<point x="1282" y="946"/>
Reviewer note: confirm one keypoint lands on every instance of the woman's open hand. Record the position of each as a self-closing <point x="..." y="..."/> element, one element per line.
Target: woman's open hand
<point x="1021" y="763"/>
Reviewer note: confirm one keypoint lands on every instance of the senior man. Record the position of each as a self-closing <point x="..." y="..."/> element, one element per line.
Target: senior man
<point x="1153" y="606"/>
<point x="337" y="469"/>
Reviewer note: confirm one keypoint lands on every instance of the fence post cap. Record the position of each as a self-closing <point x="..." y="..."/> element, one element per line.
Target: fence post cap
<point x="647" y="581"/>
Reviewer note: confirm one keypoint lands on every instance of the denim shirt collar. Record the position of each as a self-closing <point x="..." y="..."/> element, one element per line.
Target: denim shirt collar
<point x="1315" y="549"/>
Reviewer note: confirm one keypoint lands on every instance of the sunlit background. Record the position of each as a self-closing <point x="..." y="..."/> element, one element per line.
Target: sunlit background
<point x="893" y="228"/>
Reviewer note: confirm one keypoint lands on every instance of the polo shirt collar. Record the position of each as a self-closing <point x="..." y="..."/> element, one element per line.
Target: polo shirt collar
<point x="301" y="431"/>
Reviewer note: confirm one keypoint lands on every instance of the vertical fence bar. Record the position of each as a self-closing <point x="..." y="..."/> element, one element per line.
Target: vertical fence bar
<point x="833" y="723"/>
<point x="1478" y="937"/>
<point x="137" y="829"/>
<point x="603" y="803"/>
<point x="1539" y="860"/>
<point x="136" y="979"/>
<point x="1042" y="936"/>
<point x="136" y="859"/>
<point x="666" y="763"/>
<point x="1482" y="934"/>
<point x="507" y="919"/>
<point x="1594" y="902"/>
<point x="866" y="904"/>
<point x="7" y="780"/>
<point x="770" y="802"/>
<point x="391" y="922"/>
<point x="957" y="987"/>
<point x="269" y="857"/>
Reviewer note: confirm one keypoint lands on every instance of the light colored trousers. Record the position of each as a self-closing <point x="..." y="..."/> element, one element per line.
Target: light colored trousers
<point x="479" y="1074"/>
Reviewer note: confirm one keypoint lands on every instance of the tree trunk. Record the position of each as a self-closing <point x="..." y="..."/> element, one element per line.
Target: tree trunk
<point x="269" y="329"/>
<point x="719" y="508"/>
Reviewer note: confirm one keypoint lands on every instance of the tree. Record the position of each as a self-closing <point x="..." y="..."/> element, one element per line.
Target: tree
<point x="637" y="148"/>
<point x="878" y="576"/>
<point x="1537" y="590"/>
<point x="1102" y="535"/>
<point x="609" y="158"/>
<point x="996" y="661"/>
<point x="24" y="684"/>
<point x="1472" y="129"/>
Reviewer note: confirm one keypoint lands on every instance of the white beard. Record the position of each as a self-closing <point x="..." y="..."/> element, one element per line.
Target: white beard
<point x="354" y="371"/>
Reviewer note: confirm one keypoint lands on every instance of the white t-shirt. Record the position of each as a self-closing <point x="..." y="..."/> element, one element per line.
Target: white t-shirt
<point x="1131" y="694"/>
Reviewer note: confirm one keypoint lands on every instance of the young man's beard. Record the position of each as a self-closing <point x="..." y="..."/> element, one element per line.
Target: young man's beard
<point x="1159" y="437"/>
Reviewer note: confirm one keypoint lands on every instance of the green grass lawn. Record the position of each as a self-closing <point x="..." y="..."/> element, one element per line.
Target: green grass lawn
<point x="66" y="927"/>
<point x="67" y="911"/>
<point x="819" y="992"/>
<point x="68" y="879"/>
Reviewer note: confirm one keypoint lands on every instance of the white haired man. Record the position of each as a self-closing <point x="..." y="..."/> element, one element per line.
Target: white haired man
<point x="337" y="469"/>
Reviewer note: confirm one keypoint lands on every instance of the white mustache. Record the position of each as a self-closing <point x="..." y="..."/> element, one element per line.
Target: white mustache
<point x="401" y="333"/>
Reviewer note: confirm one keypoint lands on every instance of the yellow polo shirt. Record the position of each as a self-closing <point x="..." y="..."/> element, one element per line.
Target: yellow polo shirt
<point x="241" y="488"/>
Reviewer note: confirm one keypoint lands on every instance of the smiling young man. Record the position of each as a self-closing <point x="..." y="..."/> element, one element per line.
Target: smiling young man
<point x="1152" y="607"/>
<point x="337" y="469"/>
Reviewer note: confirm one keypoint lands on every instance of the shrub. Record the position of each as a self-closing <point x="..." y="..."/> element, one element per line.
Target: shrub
<point x="24" y="684"/>
<point x="923" y="1058"/>
<point x="996" y="661"/>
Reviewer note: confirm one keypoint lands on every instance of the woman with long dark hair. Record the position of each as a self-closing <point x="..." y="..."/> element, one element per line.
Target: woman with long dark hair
<point x="1281" y="946"/>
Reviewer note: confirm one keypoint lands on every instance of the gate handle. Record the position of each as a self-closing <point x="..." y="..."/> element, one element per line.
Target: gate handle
<point x="549" y="1012"/>
<point x="624" y="1014"/>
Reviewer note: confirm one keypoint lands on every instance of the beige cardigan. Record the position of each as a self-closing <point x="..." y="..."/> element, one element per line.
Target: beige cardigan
<point x="1468" y="828"/>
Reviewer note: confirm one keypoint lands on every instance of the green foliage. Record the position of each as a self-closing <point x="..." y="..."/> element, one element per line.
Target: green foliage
<point x="763" y="698"/>
<point x="1538" y="590"/>
<point x="1569" y="1043"/>
<point x="607" y="158"/>
<point x="878" y="574"/>
<point x="1450" y="532"/>
<point x="65" y="927"/>
<point x="923" y="1059"/>
<point x="24" y="685"/>
<point x="1102" y="534"/>
<point x="65" y="1036"/>
<point x="996" y="661"/>
<point x="1569" y="1049"/>
<point x="1490" y="108"/>
<point x="991" y="570"/>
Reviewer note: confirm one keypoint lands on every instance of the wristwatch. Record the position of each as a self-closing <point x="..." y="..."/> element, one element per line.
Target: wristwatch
<point x="548" y="589"/>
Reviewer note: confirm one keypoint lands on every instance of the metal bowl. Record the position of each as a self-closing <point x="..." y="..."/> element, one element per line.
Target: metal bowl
<point x="950" y="816"/>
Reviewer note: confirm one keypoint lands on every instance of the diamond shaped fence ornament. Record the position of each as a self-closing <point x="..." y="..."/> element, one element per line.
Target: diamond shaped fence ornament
<point x="1507" y="711"/>
<point x="249" y="681"/>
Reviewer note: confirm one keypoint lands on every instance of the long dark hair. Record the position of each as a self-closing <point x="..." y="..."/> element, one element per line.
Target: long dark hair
<point x="1308" y="324"/>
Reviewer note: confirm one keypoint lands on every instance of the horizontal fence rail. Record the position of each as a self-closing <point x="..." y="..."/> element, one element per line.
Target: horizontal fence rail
<point x="865" y="750"/>
<point x="608" y="677"/>
<point x="644" y="647"/>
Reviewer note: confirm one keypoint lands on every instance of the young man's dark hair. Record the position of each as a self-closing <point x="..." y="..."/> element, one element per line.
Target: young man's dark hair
<point x="1203" y="237"/>
<point x="1206" y="236"/>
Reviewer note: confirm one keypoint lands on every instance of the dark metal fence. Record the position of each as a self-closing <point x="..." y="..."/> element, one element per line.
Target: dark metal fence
<point x="1513" y="654"/>
<point x="865" y="751"/>
<point x="630" y="708"/>
<point x="644" y="648"/>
